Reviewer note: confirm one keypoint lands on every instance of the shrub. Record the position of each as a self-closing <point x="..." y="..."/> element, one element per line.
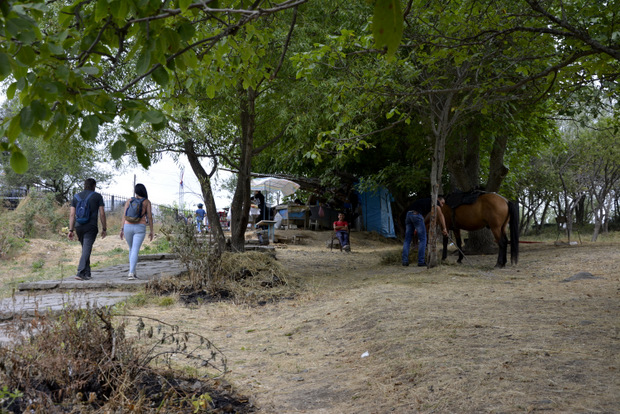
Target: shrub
<point x="9" y="242"/>
<point x="38" y="215"/>
<point x="82" y="361"/>
<point x="202" y="260"/>
<point x="251" y="277"/>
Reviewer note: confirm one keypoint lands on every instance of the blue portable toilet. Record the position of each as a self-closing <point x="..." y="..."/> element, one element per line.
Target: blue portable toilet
<point x="377" y="211"/>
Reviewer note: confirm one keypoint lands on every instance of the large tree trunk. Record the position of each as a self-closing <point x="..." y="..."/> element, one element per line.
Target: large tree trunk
<point x="497" y="169"/>
<point x="483" y="241"/>
<point x="464" y="167"/>
<point x="442" y="120"/>
<point x="464" y="159"/>
<point x="207" y="192"/>
<point x="241" y="199"/>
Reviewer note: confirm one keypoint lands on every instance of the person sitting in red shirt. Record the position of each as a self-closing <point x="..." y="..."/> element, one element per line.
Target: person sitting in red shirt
<point x="341" y="227"/>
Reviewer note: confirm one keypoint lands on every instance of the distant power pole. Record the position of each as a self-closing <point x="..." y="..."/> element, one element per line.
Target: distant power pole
<point x="181" y="190"/>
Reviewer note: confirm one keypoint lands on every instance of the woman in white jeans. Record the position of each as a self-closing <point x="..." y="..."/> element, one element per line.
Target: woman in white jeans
<point x="135" y="233"/>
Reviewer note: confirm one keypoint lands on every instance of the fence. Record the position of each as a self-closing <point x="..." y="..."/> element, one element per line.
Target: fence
<point x="11" y="196"/>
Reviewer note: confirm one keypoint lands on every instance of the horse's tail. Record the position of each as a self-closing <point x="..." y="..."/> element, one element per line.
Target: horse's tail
<point x="513" y="213"/>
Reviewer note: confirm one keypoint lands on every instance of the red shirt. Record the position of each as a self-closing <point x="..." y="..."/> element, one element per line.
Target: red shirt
<point x="341" y="224"/>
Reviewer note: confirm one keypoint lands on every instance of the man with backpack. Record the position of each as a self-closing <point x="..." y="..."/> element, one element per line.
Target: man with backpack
<point x="87" y="208"/>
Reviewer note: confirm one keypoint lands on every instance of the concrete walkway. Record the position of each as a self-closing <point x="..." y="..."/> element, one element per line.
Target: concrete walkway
<point x="107" y="287"/>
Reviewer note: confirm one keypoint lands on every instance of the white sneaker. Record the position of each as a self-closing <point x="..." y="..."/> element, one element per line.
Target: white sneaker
<point x="131" y="276"/>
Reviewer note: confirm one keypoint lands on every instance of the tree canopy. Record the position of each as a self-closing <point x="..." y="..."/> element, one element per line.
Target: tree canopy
<point x="383" y="91"/>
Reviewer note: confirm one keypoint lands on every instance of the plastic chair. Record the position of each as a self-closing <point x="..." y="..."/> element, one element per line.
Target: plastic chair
<point x="334" y="237"/>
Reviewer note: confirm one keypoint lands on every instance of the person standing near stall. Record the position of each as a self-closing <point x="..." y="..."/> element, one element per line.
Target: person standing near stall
<point x="200" y="216"/>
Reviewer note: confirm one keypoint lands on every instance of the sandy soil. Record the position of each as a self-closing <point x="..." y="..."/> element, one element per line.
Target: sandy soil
<point x="366" y="337"/>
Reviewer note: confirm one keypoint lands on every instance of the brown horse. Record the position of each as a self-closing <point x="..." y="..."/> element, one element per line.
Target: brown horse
<point x="489" y="210"/>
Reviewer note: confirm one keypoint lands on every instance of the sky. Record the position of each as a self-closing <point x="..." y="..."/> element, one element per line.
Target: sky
<point x="162" y="184"/>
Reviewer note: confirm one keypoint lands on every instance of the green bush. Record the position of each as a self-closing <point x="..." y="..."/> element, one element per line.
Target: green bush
<point x="9" y="242"/>
<point x="38" y="215"/>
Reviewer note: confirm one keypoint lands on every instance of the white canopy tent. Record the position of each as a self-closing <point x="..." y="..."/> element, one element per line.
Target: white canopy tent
<point x="271" y="184"/>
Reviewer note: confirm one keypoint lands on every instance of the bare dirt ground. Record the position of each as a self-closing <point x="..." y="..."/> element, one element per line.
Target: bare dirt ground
<point x="366" y="337"/>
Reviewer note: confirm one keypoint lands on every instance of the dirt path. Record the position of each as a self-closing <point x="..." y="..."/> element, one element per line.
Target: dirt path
<point x="458" y="338"/>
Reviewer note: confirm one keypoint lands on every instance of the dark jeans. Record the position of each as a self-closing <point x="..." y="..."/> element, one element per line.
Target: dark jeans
<point x="86" y="236"/>
<point x="414" y="222"/>
<point x="343" y="237"/>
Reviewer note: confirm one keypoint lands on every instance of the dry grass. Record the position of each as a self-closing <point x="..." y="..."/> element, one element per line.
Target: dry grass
<point x="54" y="256"/>
<point x="454" y="339"/>
<point x="458" y="338"/>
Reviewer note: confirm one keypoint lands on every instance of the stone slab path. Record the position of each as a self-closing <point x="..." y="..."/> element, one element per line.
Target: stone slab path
<point x="107" y="287"/>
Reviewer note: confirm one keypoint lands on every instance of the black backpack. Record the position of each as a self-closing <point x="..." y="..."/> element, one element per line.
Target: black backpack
<point x="133" y="213"/>
<point x="82" y="209"/>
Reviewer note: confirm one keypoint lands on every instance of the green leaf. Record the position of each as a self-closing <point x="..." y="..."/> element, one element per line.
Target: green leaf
<point x="144" y="62"/>
<point x="5" y="66"/>
<point x="190" y="59"/>
<point x="159" y="127"/>
<point x="22" y="29"/>
<point x="118" y="149"/>
<point x="26" y="118"/>
<point x="39" y="111"/>
<point x="10" y="92"/>
<point x="19" y="162"/>
<point x="184" y="4"/>
<point x="101" y="10"/>
<point x="89" y="70"/>
<point x="211" y="90"/>
<point x="160" y="75"/>
<point x="90" y="127"/>
<point x="130" y="137"/>
<point x="120" y="9"/>
<point x="62" y="73"/>
<point x="387" y="27"/>
<point x="154" y="117"/>
<point x="26" y="55"/>
<point x="55" y="48"/>
<point x="14" y="129"/>
<point x="143" y="156"/>
<point x="186" y="31"/>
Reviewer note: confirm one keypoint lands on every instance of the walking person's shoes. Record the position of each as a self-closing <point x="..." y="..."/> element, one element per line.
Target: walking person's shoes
<point x="78" y="277"/>
<point x="422" y="265"/>
<point x="132" y="276"/>
<point x="405" y="263"/>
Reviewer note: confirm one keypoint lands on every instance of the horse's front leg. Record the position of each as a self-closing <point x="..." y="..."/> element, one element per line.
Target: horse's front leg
<point x="444" y="253"/>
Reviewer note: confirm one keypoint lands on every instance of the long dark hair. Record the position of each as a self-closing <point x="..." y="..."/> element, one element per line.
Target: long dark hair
<point x="140" y="190"/>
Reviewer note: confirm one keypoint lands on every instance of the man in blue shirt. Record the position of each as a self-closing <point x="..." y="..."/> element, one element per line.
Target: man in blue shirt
<point x="200" y="216"/>
<point x="415" y="221"/>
